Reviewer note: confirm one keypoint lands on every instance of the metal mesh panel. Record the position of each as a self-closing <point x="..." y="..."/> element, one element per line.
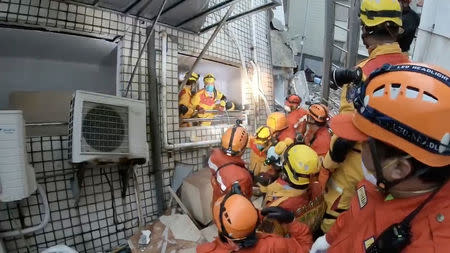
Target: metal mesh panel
<point x="104" y="128"/>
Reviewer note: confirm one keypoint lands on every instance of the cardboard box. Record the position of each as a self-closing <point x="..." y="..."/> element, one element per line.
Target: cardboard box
<point x="196" y="195"/>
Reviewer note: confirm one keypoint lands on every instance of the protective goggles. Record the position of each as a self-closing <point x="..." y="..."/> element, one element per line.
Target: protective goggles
<point x="392" y="125"/>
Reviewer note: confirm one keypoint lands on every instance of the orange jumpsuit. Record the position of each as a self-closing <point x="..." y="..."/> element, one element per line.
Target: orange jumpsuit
<point x="257" y="159"/>
<point x="225" y="171"/>
<point x="279" y="193"/>
<point x="371" y="213"/>
<point x="300" y="241"/>
<point x="292" y="119"/>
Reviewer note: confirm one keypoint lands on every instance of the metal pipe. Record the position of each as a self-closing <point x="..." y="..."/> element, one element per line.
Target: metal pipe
<point x="340" y="48"/>
<point x="343" y="28"/>
<point x="206" y="12"/>
<point x="211" y="39"/>
<point x="328" y="50"/>
<point x="47" y="124"/>
<point x="143" y="47"/>
<point x="155" y="134"/>
<point x="240" y="15"/>
<point x="342" y="4"/>
<point x="353" y="36"/>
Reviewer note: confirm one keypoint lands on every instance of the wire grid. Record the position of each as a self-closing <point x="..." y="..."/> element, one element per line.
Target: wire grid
<point x="89" y="227"/>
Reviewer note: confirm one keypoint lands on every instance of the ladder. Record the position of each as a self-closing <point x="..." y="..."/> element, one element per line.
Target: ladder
<point x="351" y="46"/>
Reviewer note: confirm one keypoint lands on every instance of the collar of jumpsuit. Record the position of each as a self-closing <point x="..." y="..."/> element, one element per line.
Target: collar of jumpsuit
<point x="387" y="48"/>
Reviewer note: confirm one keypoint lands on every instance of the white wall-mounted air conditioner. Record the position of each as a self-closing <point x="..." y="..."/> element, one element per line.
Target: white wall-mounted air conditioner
<point x="106" y="128"/>
<point x="17" y="179"/>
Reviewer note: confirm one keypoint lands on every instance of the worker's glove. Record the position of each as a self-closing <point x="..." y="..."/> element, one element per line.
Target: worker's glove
<point x="339" y="77"/>
<point x="183" y="109"/>
<point x="340" y="149"/>
<point x="272" y="157"/>
<point x="200" y="110"/>
<point x="278" y="213"/>
<point x="263" y="178"/>
<point x="320" y="245"/>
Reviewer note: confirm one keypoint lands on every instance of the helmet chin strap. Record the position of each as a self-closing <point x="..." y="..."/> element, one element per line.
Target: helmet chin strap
<point x="382" y="183"/>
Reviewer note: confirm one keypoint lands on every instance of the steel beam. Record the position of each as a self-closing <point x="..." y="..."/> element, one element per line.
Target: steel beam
<point x="211" y="39"/>
<point x="353" y="35"/>
<point x="243" y="14"/>
<point x="141" y="52"/>
<point x="328" y="50"/>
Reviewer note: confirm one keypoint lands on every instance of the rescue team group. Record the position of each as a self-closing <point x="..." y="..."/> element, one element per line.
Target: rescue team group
<point x="380" y="183"/>
<point x="197" y="105"/>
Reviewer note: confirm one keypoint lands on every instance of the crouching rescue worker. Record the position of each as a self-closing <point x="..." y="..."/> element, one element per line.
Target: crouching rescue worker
<point x="403" y="204"/>
<point x="227" y="166"/>
<point x="294" y="113"/>
<point x="259" y="144"/>
<point x="313" y="129"/>
<point x="185" y="107"/>
<point x="237" y="219"/>
<point x="296" y="186"/>
<point x="209" y="98"/>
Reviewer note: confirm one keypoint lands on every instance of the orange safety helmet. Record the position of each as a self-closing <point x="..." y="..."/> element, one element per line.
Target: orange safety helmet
<point x="234" y="140"/>
<point x="277" y="121"/>
<point x="293" y="100"/>
<point x="235" y="216"/>
<point x="406" y="106"/>
<point x="318" y="112"/>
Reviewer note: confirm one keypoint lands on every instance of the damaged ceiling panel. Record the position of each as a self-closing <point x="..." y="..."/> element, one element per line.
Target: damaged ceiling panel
<point x="189" y="15"/>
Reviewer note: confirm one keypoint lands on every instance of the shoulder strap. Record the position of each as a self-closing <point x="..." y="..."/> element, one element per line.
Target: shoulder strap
<point x="228" y="164"/>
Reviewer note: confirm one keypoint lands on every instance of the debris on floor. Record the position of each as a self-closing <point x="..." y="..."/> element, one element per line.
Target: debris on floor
<point x="209" y="232"/>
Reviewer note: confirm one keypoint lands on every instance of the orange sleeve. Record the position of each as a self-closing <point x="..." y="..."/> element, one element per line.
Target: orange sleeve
<point x="322" y="143"/>
<point x="343" y="219"/>
<point x="300" y="240"/>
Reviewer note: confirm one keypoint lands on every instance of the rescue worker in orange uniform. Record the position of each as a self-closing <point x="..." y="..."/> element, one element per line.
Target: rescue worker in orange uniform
<point x="314" y="129"/>
<point x="185" y="107"/>
<point x="342" y="164"/>
<point x="294" y="113"/>
<point x="227" y="165"/>
<point x="236" y="219"/>
<point x="277" y="122"/>
<point x="259" y="144"/>
<point x="403" y="204"/>
<point x="209" y="98"/>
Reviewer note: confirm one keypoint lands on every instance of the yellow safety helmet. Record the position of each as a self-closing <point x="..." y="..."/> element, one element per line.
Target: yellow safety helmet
<point x="209" y="78"/>
<point x="194" y="77"/>
<point x="300" y="163"/>
<point x="262" y="135"/>
<point x="277" y="121"/>
<point x="375" y="12"/>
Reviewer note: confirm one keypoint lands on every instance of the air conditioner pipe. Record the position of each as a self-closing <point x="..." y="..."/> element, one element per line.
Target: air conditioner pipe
<point x="43" y="223"/>
<point x="166" y="144"/>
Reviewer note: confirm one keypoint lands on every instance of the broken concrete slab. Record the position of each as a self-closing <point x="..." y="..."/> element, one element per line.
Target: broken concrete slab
<point x="182" y="227"/>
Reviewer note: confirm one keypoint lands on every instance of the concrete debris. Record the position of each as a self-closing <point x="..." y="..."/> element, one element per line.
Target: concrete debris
<point x="209" y="232"/>
<point x="182" y="227"/>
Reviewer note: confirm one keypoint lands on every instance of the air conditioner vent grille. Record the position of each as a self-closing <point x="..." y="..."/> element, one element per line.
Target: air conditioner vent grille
<point x="104" y="128"/>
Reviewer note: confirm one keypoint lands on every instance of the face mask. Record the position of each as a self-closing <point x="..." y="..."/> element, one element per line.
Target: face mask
<point x="209" y="88"/>
<point x="367" y="175"/>
<point x="287" y="108"/>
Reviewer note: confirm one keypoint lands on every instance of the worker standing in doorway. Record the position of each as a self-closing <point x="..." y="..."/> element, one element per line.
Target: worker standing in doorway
<point x="294" y="113"/>
<point x="403" y="204"/>
<point x="209" y="98"/>
<point x="411" y="21"/>
<point x="237" y="219"/>
<point x="381" y="21"/>
<point x="185" y="107"/>
<point x="227" y="166"/>
<point x="313" y="128"/>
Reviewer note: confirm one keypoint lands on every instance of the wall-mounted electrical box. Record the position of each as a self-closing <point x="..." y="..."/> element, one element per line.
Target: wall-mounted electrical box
<point x="17" y="179"/>
<point x="106" y="128"/>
